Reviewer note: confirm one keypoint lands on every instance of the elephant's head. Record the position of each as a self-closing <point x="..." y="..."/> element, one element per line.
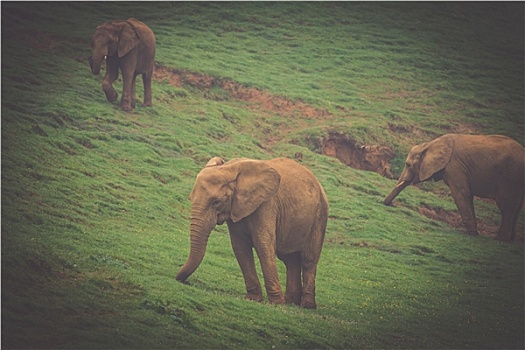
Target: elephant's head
<point x="424" y="161"/>
<point x="225" y="191"/>
<point x="115" y="38"/>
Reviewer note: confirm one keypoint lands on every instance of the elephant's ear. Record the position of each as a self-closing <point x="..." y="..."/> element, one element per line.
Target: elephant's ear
<point x="128" y="39"/>
<point x="254" y="182"/>
<point x="214" y="162"/>
<point x="436" y="157"/>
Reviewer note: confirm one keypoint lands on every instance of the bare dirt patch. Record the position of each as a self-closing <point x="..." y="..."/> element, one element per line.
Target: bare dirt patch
<point x="453" y="219"/>
<point x="258" y="99"/>
<point x="362" y="157"/>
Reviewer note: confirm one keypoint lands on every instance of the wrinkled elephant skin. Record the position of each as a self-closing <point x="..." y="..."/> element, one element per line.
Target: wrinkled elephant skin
<point x="487" y="166"/>
<point x="277" y="207"/>
<point x="128" y="46"/>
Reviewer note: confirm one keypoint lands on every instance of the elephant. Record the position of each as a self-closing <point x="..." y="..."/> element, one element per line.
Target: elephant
<point x="277" y="207"/>
<point x="487" y="166"/>
<point x="128" y="46"/>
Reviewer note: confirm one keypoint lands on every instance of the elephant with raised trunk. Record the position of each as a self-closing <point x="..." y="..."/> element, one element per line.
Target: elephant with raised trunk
<point x="128" y="46"/>
<point x="277" y="207"/>
<point x="487" y="166"/>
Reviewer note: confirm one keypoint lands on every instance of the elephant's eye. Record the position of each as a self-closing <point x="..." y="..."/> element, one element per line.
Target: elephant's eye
<point x="215" y="203"/>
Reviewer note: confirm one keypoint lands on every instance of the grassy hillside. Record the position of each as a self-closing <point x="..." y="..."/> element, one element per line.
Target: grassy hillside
<point x="95" y="200"/>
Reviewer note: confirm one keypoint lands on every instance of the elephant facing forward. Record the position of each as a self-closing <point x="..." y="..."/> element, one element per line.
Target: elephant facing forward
<point x="487" y="166"/>
<point x="128" y="46"/>
<point x="277" y="207"/>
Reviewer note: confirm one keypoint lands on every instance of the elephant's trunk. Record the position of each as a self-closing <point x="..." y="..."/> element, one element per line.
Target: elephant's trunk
<point x="399" y="187"/>
<point x="200" y="231"/>
<point x="95" y="61"/>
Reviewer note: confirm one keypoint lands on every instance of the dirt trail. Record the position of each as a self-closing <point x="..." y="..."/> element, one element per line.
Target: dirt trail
<point x="260" y="99"/>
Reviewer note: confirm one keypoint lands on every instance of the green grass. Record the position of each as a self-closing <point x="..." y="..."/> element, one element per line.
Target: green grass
<point x="95" y="202"/>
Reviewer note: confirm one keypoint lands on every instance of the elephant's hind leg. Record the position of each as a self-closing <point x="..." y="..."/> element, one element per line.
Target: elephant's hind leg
<point x="465" y="202"/>
<point x="133" y="96"/>
<point x="308" y="297"/>
<point x="293" y="278"/>
<point x="510" y="207"/>
<point x="309" y="260"/>
<point x="310" y="256"/>
<point x="146" y="79"/>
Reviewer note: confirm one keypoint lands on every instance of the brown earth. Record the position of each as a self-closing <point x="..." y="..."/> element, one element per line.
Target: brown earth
<point x="363" y="157"/>
<point x="258" y="98"/>
<point x="453" y="219"/>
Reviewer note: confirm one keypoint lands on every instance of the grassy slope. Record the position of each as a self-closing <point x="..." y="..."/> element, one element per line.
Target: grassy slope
<point x="94" y="200"/>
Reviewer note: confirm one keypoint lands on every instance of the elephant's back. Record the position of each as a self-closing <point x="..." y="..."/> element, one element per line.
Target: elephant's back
<point x="294" y="174"/>
<point x="287" y="166"/>
<point x="299" y="190"/>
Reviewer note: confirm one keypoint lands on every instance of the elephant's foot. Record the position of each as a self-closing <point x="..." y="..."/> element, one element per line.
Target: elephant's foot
<point x="276" y="300"/>
<point x="126" y="104"/>
<point x="148" y="104"/>
<point x="112" y="98"/>
<point x="472" y="233"/>
<point x="254" y="297"/>
<point x="504" y="237"/>
<point x="308" y="303"/>
<point x="276" y="297"/>
<point x="111" y="94"/>
<point x="293" y="298"/>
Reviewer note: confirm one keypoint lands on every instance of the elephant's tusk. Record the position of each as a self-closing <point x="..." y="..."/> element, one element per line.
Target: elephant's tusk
<point x="400" y="184"/>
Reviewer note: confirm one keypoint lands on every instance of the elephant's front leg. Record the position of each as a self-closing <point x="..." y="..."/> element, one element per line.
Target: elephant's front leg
<point x="465" y="203"/>
<point x="242" y="247"/>
<point x="271" y="278"/>
<point x="264" y="244"/>
<point x="109" y="78"/>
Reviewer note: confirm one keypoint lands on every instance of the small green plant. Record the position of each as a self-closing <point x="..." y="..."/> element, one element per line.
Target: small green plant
<point x="164" y="308"/>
